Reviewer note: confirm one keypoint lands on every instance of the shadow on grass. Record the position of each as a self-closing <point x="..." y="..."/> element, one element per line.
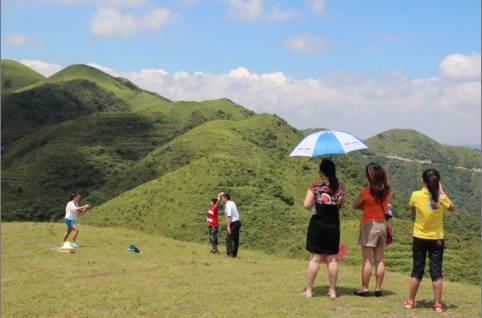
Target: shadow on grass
<point x="345" y="291"/>
<point x="425" y="303"/>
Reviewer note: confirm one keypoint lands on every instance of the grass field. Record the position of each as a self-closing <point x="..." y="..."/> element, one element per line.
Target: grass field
<point x="179" y="279"/>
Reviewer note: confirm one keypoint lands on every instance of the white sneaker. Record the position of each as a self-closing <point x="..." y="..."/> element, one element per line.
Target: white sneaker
<point x="75" y="245"/>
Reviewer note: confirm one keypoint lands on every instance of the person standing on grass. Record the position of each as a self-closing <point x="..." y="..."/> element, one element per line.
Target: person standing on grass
<point x="323" y="237"/>
<point x="71" y="213"/>
<point x="428" y="205"/>
<point x="233" y="224"/>
<point x="213" y="225"/>
<point x="374" y="200"/>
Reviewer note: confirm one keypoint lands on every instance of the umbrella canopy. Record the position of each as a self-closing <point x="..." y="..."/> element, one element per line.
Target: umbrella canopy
<point x="327" y="142"/>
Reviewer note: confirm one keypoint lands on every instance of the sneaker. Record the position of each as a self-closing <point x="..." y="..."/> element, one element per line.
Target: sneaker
<point x="133" y="249"/>
<point x="75" y="245"/>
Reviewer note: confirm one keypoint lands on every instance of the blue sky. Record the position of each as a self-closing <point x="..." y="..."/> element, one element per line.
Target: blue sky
<point x="367" y="37"/>
<point x="365" y="41"/>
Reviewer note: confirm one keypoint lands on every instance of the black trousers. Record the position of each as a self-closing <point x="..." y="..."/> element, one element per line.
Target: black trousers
<point x="232" y="240"/>
<point x="435" y="250"/>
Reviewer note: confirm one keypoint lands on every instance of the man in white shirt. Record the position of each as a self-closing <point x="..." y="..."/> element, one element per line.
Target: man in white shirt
<point x="233" y="224"/>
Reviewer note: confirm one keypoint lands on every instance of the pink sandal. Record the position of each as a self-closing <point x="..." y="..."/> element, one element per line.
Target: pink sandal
<point x="438" y="308"/>
<point x="409" y="304"/>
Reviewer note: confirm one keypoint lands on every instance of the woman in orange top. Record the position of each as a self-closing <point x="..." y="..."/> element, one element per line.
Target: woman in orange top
<point x="374" y="201"/>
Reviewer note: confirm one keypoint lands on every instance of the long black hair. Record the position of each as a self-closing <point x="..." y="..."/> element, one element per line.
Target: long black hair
<point x="431" y="178"/>
<point x="328" y="168"/>
<point x="377" y="177"/>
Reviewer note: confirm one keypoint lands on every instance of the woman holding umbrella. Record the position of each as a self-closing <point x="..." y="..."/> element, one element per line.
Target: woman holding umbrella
<point x="326" y="198"/>
<point x="323" y="238"/>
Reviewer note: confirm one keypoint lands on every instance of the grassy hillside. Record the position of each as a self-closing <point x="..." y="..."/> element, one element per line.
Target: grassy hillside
<point x="27" y="111"/>
<point x="411" y="144"/>
<point x="153" y="164"/>
<point x="170" y="279"/>
<point x="135" y="97"/>
<point x="15" y="75"/>
<point x="273" y="220"/>
<point x="94" y="154"/>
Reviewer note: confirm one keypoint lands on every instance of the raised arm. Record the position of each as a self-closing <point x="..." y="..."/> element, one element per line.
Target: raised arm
<point x="83" y="208"/>
<point x="449" y="203"/>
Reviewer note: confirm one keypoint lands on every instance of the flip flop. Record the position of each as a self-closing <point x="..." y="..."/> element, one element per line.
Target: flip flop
<point x="378" y="293"/>
<point x="361" y="293"/>
<point x="438" y="308"/>
<point x="305" y="294"/>
<point x="332" y="296"/>
<point x="408" y="304"/>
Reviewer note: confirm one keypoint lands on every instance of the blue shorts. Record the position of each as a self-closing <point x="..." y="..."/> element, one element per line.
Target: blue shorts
<point x="70" y="223"/>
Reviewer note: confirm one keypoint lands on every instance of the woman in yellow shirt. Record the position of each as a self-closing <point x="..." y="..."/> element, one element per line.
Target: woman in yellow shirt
<point x="428" y="205"/>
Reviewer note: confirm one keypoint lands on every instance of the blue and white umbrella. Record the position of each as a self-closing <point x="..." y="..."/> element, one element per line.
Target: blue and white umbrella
<point x="327" y="142"/>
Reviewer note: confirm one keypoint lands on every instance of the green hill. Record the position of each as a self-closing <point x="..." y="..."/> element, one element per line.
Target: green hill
<point x="27" y="111"/>
<point x="15" y="75"/>
<point x="180" y="279"/>
<point x="135" y="97"/>
<point x="94" y="153"/>
<point x="152" y="164"/>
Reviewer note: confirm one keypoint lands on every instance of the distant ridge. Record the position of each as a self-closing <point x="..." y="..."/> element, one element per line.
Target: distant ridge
<point x="411" y="144"/>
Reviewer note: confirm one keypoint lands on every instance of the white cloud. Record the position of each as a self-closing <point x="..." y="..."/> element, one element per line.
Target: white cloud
<point x="111" y="22"/>
<point x="307" y="44"/>
<point x="460" y="66"/>
<point x="21" y="39"/>
<point x="279" y="15"/>
<point x="246" y="10"/>
<point x="440" y="107"/>
<point x="365" y="105"/>
<point x="255" y="10"/>
<point x="317" y="6"/>
<point x="44" y="68"/>
<point x="105" y="69"/>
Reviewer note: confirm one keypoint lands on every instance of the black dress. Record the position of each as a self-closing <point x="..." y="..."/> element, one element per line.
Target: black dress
<point x="323" y="235"/>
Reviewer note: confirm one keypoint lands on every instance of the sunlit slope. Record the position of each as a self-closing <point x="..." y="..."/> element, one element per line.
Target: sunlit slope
<point x="15" y="75"/>
<point x="138" y="99"/>
<point x="88" y="152"/>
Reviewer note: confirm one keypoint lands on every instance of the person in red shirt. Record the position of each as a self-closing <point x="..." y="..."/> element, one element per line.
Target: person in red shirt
<point x="213" y="225"/>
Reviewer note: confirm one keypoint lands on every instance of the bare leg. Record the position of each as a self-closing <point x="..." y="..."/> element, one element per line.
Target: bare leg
<point x="313" y="267"/>
<point x="76" y="232"/>
<point x="67" y="233"/>
<point x="367" y="257"/>
<point x="332" y="266"/>
<point x="414" y="283"/>
<point x="437" y="290"/>
<point x="380" y="267"/>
